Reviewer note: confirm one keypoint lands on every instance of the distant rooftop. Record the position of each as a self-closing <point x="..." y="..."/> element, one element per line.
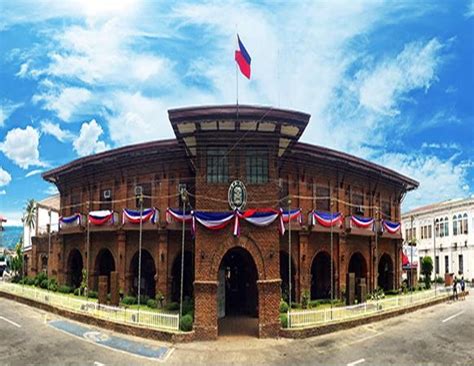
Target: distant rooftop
<point x="52" y="202"/>
<point x="439" y="205"/>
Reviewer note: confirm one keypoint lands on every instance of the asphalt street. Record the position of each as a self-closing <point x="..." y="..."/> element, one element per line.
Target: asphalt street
<point x="439" y="335"/>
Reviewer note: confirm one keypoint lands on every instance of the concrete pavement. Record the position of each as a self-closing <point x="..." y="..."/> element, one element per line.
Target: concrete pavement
<point x="439" y="335"/>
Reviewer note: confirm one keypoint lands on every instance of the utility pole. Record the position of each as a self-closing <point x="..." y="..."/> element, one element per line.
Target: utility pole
<point x="140" y="197"/>
<point x="332" y="246"/>
<point x="49" y="242"/>
<point x="434" y="255"/>
<point x="289" y="256"/>
<point x="184" y="196"/>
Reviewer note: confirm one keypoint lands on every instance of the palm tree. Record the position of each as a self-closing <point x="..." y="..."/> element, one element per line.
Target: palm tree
<point x="29" y="219"/>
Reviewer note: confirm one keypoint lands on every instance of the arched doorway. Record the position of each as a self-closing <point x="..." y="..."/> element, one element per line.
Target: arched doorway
<point x="237" y="293"/>
<point x="385" y="273"/>
<point x="284" y="275"/>
<point x="358" y="266"/>
<point x="74" y="268"/>
<point x="188" y="277"/>
<point x="104" y="264"/>
<point x="147" y="282"/>
<point x="321" y="276"/>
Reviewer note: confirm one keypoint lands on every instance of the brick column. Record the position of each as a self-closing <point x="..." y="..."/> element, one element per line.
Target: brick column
<point x="122" y="259"/>
<point x="33" y="260"/>
<point x="304" y="263"/>
<point x="162" y="264"/>
<point x="269" y="294"/>
<point x="343" y="261"/>
<point x="205" y="313"/>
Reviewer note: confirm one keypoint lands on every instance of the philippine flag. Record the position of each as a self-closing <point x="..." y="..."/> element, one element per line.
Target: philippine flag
<point x="243" y="59"/>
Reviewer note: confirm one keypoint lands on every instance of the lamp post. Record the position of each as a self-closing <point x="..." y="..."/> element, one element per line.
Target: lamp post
<point x="289" y="261"/>
<point x="332" y="246"/>
<point x="140" y="198"/>
<point x="184" y="197"/>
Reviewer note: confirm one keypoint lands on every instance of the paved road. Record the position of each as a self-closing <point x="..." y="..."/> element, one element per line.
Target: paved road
<point x="440" y="335"/>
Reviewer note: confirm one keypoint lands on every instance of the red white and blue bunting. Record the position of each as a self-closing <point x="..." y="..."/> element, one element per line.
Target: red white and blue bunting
<point x="391" y="227"/>
<point x="178" y="216"/>
<point x="258" y="217"/>
<point x="327" y="219"/>
<point x="73" y="220"/>
<point x="133" y="216"/>
<point x="286" y="216"/>
<point x="362" y="222"/>
<point x="212" y="220"/>
<point x="101" y="217"/>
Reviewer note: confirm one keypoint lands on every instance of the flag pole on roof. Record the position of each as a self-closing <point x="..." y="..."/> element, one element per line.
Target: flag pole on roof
<point x="243" y="60"/>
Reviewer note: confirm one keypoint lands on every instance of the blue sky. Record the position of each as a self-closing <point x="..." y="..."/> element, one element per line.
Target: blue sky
<point x="391" y="82"/>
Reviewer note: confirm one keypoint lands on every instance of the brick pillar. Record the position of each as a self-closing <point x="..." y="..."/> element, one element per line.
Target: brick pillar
<point x="269" y="294"/>
<point x="122" y="258"/>
<point x="343" y="259"/>
<point x="205" y="313"/>
<point x="127" y="290"/>
<point x="33" y="258"/>
<point x="304" y="263"/>
<point x="114" y="288"/>
<point x="162" y="264"/>
<point x="370" y="279"/>
<point x="102" y="294"/>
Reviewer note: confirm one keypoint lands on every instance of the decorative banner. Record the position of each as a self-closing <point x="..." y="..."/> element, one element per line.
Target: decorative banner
<point x="258" y="217"/>
<point x="286" y="216"/>
<point x="362" y="222"/>
<point x="101" y="217"/>
<point x="327" y="219"/>
<point x="212" y="220"/>
<point x="391" y="227"/>
<point x="74" y="220"/>
<point x="133" y="216"/>
<point x="177" y="215"/>
<point x="409" y="252"/>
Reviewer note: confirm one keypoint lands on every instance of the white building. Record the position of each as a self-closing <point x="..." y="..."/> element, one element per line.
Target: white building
<point x="445" y="232"/>
<point x="50" y="204"/>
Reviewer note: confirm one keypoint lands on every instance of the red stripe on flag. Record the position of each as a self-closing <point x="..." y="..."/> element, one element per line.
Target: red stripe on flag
<point x="243" y="65"/>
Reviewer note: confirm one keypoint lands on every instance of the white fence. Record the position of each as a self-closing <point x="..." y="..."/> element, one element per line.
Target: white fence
<point x="309" y="318"/>
<point x="121" y="315"/>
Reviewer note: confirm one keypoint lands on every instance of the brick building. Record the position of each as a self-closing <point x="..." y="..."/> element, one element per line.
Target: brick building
<point x="227" y="274"/>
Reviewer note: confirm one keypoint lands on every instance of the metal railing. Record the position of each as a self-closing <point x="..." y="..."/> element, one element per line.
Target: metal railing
<point x="309" y="318"/>
<point x="148" y="319"/>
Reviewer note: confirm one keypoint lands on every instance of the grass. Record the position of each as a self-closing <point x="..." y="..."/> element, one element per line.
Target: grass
<point x="146" y="308"/>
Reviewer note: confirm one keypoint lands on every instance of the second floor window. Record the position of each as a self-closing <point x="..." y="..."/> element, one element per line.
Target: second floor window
<point x="257" y="166"/>
<point x="323" y="203"/>
<point x="75" y="203"/>
<point x="386" y="210"/>
<point x="106" y="199"/>
<point x="217" y="165"/>
<point x="357" y="202"/>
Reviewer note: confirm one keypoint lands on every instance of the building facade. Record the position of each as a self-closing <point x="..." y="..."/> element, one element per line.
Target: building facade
<point x="226" y="157"/>
<point x="444" y="231"/>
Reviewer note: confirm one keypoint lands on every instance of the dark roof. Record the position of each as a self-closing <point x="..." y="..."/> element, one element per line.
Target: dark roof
<point x="351" y="160"/>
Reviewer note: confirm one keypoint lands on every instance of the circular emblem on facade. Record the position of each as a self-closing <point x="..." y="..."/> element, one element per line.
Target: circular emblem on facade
<point x="237" y="195"/>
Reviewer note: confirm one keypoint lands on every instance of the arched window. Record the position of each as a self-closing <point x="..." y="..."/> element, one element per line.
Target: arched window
<point x="460" y="225"/>
<point x="455" y="225"/>
<point x="437" y="228"/>
<point x="464" y="224"/>
<point x="446" y="226"/>
<point x="441" y="227"/>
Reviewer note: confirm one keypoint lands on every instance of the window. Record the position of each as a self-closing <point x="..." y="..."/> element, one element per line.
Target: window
<point x="257" y="166"/>
<point x="323" y="204"/>
<point x="386" y="209"/>
<point x="464" y="224"/>
<point x="217" y="165"/>
<point x="429" y="231"/>
<point x="146" y="191"/>
<point x="455" y="225"/>
<point x="461" y="264"/>
<point x="460" y="225"/>
<point x="446" y="226"/>
<point x="75" y="203"/>
<point x="406" y="234"/>
<point x="437" y="228"/>
<point x="357" y="201"/>
<point x="437" y="264"/>
<point x="446" y="264"/>
<point x="106" y="199"/>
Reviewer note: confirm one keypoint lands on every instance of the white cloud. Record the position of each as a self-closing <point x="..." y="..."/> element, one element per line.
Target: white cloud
<point x="33" y="172"/>
<point x="66" y="102"/>
<point x="21" y="146"/>
<point x="88" y="141"/>
<point x="3" y="192"/>
<point x="6" y="109"/>
<point x="53" y="129"/>
<point x="439" y="179"/>
<point x="442" y="145"/>
<point x="5" y="177"/>
<point x="414" y="68"/>
<point x="51" y="190"/>
<point x="470" y="9"/>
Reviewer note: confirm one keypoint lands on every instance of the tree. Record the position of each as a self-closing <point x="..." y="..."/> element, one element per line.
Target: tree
<point x="426" y="269"/>
<point x="17" y="260"/>
<point x="29" y="218"/>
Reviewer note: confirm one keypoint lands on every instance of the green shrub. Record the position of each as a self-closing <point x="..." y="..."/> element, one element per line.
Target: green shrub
<point x="64" y="289"/>
<point x="439" y="280"/>
<point x="93" y="294"/>
<point x="40" y="277"/>
<point x="188" y="306"/>
<point x="77" y="291"/>
<point x="305" y="299"/>
<point x="143" y="299"/>
<point x="30" y="281"/>
<point x="313" y="303"/>
<point x="283" y="306"/>
<point x="152" y="304"/>
<point x="392" y="292"/>
<point x="172" y="306"/>
<point x="284" y="320"/>
<point x="53" y="285"/>
<point x="129" y="300"/>
<point x="44" y="284"/>
<point x="186" y="323"/>
<point x="295" y="305"/>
